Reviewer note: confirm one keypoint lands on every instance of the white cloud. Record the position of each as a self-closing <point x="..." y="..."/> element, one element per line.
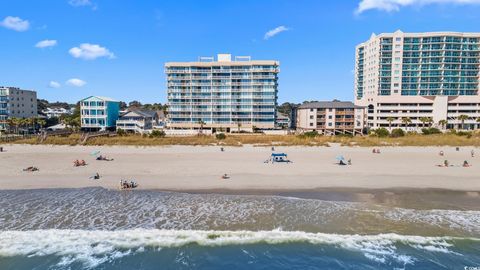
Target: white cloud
<point x="275" y="32"/>
<point x="46" y="43"/>
<point x="76" y="82"/>
<point x="80" y="3"/>
<point x="54" y="84"/>
<point x="15" y="23"/>
<point x="89" y="51"/>
<point x="83" y="3"/>
<point x="395" y="5"/>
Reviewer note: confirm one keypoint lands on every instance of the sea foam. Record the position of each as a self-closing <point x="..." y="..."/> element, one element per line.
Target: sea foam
<point x="92" y="248"/>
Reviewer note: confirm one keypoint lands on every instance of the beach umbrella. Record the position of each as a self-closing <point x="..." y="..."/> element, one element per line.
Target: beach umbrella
<point x="94" y="153"/>
<point x="340" y="157"/>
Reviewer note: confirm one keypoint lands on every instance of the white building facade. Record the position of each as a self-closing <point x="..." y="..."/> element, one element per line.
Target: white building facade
<point x="330" y="117"/>
<point x="18" y="103"/>
<point x="416" y="76"/>
<point x="223" y="94"/>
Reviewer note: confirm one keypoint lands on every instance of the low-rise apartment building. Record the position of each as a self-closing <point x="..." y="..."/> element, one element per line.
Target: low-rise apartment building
<point x="330" y="117"/>
<point x="18" y="103"/>
<point x="99" y="113"/>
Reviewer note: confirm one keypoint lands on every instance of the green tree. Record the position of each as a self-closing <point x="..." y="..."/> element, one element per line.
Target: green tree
<point x="201" y="123"/>
<point x="462" y="119"/>
<point x="390" y="120"/>
<point x="406" y="121"/>
<point x="443" y="123"/>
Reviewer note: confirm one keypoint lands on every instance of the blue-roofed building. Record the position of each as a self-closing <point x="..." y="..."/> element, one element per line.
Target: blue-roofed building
<point x="99" y="113"/>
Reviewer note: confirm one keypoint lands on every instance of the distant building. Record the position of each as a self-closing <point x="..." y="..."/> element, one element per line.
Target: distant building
<point x="330" y="117"/>
<point x="224" y="94"/>
<point x="283" y="120"/>
<point x="138" y="121"/>
<point x="99" y="113"/>
<point x="56" y="112"/>
<point x="406" y="78"/>
<point x="18" y="103"/>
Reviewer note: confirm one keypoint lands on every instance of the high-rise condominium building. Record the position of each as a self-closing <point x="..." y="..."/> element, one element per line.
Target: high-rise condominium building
<point x="223" y="94"/>
<point x="411" y="79"/>
<point x="18" y="103"/>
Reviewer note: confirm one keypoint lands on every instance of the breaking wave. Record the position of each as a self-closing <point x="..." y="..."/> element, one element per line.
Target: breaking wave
<point x="92" y="248"/>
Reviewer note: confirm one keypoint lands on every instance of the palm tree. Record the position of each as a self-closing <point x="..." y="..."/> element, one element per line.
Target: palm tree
<point x="443" y="123"/>
<point x="12" y="123"/>
<point x="390" y="120"/>
<point x="429" y="121"/>
<point x="406" y="121"/>
<point x="239" y="125"/>
<point x="462" y="118"/>
<point x="41" y="122"/>
<point x="423" y="120"/>
<point x="201" y="123"/>
<point x="478" y="121"/>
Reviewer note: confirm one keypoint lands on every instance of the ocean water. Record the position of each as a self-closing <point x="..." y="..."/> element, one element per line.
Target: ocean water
<point x="95" y="228"/>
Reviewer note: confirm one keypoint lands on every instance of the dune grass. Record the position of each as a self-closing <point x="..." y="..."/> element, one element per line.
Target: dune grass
<point x="270" y="140"/>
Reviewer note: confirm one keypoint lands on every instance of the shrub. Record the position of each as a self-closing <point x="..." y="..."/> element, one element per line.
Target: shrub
<point x="381" y="132"/>
<point x="311" y="134"/>
<point x="121" y="132"/>
<point x="220" y="136"/>
<point x="429" y="131"/>
<point x="464" y="133"/>
<point x="157" y="133"/>
<point x="397" y="132"/>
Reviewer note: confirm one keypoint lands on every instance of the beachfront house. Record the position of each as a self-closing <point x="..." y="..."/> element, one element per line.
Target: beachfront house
<point x="282" y="121"/>
<point x="99" y="113"/>
<point x="138" y="121"/>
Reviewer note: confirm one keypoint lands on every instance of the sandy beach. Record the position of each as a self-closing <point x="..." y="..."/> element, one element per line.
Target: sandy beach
<point x="200" y="168"/>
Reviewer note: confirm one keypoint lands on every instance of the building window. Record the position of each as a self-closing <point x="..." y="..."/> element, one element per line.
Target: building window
<point x="311" y="116"/>
<point x="311" y="124"/>
<point x="329" y="124"/>
<point x="398" y="39"/>
<point x="311" y="110"/>
<point x="329" y="117"/>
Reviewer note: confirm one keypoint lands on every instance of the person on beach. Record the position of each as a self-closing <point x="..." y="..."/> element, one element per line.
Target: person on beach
<point x="465" y="164"/>
<point x="349" y="161"/>
<point x="472" y="153"/>
<point x="225" y="176"/>
<point x="445" y="163"/>
<point x="441" y="153"/>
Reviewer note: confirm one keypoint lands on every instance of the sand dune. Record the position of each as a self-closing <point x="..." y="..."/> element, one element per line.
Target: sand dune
<point x="200" y="168"/>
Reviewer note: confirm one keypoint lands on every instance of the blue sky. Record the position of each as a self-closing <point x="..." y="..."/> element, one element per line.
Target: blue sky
<point x="69" y="49"/>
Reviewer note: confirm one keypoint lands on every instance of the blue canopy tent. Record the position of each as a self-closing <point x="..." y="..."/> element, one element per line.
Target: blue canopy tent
<point x="278" y="157"/>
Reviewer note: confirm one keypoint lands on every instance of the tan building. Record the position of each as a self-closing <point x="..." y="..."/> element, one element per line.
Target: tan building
<point x="222" y="93"/>
<point x="330" y="117"/>
<point x="18" y="103"/>
<point x="406" y="78"/>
